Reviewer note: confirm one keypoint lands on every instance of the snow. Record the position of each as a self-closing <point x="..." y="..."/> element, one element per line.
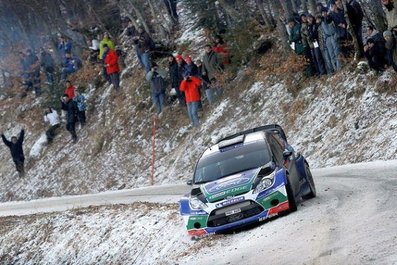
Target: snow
<point x="350" y="221"/>
<point x="38" y="146"/>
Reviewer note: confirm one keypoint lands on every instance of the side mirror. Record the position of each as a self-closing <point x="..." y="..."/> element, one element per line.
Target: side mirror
<point x="287" y="153"/>
<point x="189" y="182"/>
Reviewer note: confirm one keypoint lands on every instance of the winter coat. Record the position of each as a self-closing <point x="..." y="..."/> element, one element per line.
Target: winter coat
<point x="338" y="17"/>
<point x="192" y="89"/>
<point x="391" y="16"/>
<point x="47" y="62"/>
<point x="376" y="56"/>
<point x="144" y="42"/>
<point x="65" y="47"/>
<point x="69" y="91"/>
<point x="52" y="118"/>
<point x="71" y="64"/>
<point x="109" y="43"/>
<point x="81" y="102"/>
<point x="173" y="70"/>
<point x="391" y="45"/>
<point x="180" y="68"/>
<point x="71" y="111"/>
<point x="156" y="79"/>
<point x="295" y="37"/>
<point x="305" y="36"/>
<point x="223" y="51"/>
<point x="190" y="69"/>
<point x="31" y="63"/>
<point x="212" y="64"/>
<point x="112" y="62"/>
<point x="16" y="149"/>
<point x="356" y="14"/>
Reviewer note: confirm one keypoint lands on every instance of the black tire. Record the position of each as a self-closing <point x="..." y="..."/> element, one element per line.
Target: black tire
<point x="309" y="178"/>
<point x="291" y="198"/>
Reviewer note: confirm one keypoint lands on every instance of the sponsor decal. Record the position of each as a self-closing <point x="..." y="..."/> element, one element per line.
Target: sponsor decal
<point x="232" y="191"/>
<point x="230" y="182"/>
<point x="229" y="202"/>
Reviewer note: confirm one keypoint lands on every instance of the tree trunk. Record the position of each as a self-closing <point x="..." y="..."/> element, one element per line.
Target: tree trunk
<point x="287" y="7"/>
<point x="280" y="24"/>
<point x="304" y="6"/>
<point x="264" y="15"/>
<point x="158" y="23"/>
<point x="270" y="12"/>
<point x="140" y="16"/>
<point x="311" y="4"/>
<point x="379" y="16"/>
<point x="357" y="54"/>
<point x="294" y="5"/>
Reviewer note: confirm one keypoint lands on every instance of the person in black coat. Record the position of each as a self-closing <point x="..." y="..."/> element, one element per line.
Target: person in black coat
<point x="375" y="52"/>
<point x="71" y="116"/>
<point x="16" y="149"/>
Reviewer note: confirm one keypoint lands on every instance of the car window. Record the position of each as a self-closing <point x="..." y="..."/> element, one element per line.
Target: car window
<point x="277" y="149"/>
<point x="232" y="161"/>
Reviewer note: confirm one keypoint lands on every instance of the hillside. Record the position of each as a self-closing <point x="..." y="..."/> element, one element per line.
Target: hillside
<point x="345" y="118"/>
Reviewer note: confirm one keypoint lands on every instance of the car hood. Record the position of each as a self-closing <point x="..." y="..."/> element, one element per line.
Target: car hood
<point x="229" y="186"/>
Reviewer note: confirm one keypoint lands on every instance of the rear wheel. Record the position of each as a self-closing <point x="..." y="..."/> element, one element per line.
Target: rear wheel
<point x="312" y="187"/>
<point x="291" y="197"/>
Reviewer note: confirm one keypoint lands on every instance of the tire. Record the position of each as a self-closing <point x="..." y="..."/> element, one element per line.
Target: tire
<point x="312" y="187"/>
<point x="291" y="198"/>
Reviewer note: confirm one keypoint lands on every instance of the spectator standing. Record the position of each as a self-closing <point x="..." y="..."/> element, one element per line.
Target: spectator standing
<point x="81" y="107"/>
<point x="32" y="74"/>
<point x="312" y="30"/>
<point x="105" y="41"/>
<point x="71" y="116"/>
<point x="112" y="66"/>
<point x="191" y="87"/>
<point x="327" y="37"/>
<point x="180" y="70"/>
<point x="375" y="52"/>
<point x="205" y="83"/>
<point x="16" y="148"/>
<point x="212" y="65"/>
<point x="94" y="50"/>
<point x="71" y="64"/>
<point x="295" y="38"/>
<point x="337" y="15"/>
<point x="221" y="48"/>
<point x="190" y="67"/>
<point x="143" y="46"/>
<point x="48" y="65"/>
<point x="70" y="90"/>
<point x="156" y="78"/>
<point x="391" y="45"/>
<point x="51" y="116"/>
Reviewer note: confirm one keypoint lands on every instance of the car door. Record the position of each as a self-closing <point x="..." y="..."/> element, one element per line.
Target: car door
<point x="290" y="166"/>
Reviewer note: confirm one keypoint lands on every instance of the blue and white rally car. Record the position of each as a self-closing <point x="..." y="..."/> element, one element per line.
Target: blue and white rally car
<point x="244" y="178"/>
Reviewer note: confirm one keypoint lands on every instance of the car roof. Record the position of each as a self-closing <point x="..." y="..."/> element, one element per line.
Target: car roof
<point x="237" y="140"/>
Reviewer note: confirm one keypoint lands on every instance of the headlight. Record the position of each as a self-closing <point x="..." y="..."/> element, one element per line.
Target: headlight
<point x="265" y="183"/>
<point x="195" y="203"/>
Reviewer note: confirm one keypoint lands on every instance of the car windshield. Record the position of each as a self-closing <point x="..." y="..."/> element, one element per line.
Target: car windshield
<point x="232" y="161"/>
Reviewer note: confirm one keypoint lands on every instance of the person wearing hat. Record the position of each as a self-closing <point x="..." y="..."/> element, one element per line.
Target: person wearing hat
<point x="190" y="67"/>
<point x="16" y="148"/>
<point x="318" y="61"/>
<point x="180" y="67"/>
<point x="391" y="46"/>
<point x="105" y="41"/>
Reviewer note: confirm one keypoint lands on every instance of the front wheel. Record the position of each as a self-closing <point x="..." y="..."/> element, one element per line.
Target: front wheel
<point x="310" y="181"/>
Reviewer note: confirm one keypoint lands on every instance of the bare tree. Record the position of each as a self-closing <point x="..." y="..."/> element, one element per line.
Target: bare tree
<point x="277" y="8"/>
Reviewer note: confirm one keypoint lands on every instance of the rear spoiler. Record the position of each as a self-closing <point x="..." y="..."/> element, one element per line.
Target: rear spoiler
<point x="272" y="128"/>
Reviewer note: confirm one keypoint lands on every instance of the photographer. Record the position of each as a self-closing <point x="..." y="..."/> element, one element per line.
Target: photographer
<point x="191" y="87"/>
<point x="51" y="116"/>
<point x="156" y="78"/>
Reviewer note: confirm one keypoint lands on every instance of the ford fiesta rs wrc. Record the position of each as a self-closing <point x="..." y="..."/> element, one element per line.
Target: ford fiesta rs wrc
<point x="244" y="178"/>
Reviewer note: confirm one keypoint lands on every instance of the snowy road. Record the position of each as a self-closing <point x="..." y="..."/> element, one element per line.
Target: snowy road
<point x="353" y="220"/>
<point x="159" y="194"/>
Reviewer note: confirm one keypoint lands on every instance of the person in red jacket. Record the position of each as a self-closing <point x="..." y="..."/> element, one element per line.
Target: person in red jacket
<point x="70" y="89"/>
<point x="112" y="66"/>
<point x="191" y="87"/>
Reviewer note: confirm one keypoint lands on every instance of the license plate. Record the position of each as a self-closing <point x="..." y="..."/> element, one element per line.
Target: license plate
<point x="233" y="212"/>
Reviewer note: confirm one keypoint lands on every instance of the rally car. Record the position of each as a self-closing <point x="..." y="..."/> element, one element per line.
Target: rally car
<point x="244" y="178"/>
